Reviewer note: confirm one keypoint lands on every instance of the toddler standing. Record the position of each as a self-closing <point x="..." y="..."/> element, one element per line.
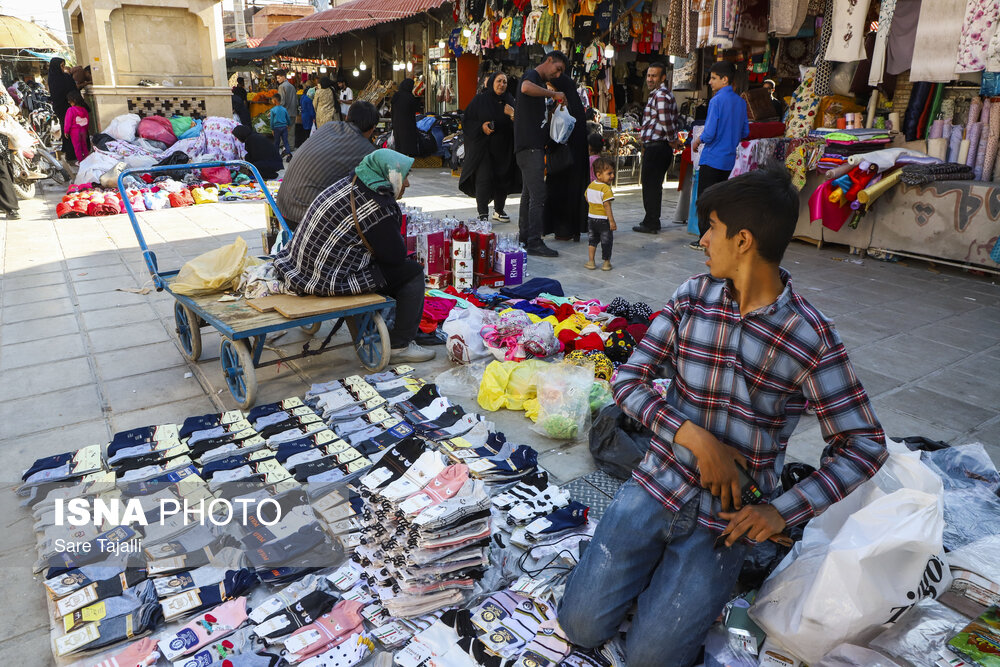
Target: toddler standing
<point x="600" y="219"/>
<point x="77" y="124"/>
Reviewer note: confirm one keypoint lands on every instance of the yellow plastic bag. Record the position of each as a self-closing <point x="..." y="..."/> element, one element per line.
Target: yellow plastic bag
<point x="214" y="271"/>
<point x="509" y="384"/>
<point x="205" y="195"/>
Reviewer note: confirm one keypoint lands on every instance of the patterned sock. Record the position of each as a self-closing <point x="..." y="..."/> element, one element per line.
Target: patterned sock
<point x="283" y="551"/>
<point x="264" y="410"/>
<point x="526" y="489"/>
<point x="141" y="653"/>
<point x="127" y="602"/>
<point x="393" y="463"/>
<point x="236" y="583"/>
<point x="444" y="486"/>
<point x="352" y="651"/>
<point x="328" y="631"/>
<point x="202" y="422"/>
<point x="206" y="628"/>
<point x="301" y="613"/>
<point x="110" y="630"/>
<point x="424" y="397"/>
<point x="427" y="466"/>
<point x="571" y="516"/>
<point x="470" y="499"/>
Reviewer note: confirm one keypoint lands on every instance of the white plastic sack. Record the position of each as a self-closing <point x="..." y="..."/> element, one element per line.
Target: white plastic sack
<point x="19" y="139"/>
<point x="123" y="127"/>
<point x="465" y="344"/>
<point x="93" y="166"/>
<point x="860" y="564"/>
<point x="562" y="124"/>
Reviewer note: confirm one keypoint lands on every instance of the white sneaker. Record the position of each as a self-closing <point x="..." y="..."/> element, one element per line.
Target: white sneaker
<point x="500" y="216"/>
<point x="412" y="353"/>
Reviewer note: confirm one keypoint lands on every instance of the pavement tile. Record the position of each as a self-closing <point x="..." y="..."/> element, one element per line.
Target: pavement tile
<point x="168" y="413"/>
<point x="960" y="338"/>
<point x="44" y="378"/>
<point x="18" y="282"/>
<point x="568" y="462"/>
<point x="977" y="390"/>
<point x="22" y="332"/>
<point x="986" y="364"/>
<point x="35" y="294"/>
<point x="139" y="360"/>
<point x="41" y="351"/>
<point x="899" y="425"/>
<point x="37" y="311"/>
<point x="103" y="285"/>
<point x="83" y="262"/>
<point x="133" y="335"/>
<point x="22" y="451"/>
<point x="153" y="388"/>
<point x="937" y="407"/>
<point x="906" y="357"/>
<point x="100" y="272"/>
<point x="31" y="414"/>
<point x="103" y="300"/>
<point x="120" y="316"/>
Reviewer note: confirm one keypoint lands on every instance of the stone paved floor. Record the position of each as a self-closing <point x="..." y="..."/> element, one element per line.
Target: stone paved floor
<point x="83" y="354"/>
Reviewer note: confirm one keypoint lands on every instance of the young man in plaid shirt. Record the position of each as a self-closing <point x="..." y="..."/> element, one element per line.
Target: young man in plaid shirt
<point x="659" y="139"/>
<point x="745" y="352"/>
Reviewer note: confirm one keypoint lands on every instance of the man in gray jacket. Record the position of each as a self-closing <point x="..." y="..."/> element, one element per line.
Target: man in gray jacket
<point x="289" y="97"/>
<point x="330" y="153"/>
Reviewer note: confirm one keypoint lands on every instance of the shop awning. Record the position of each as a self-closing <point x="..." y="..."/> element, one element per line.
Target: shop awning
<point x="260" y="52"/>
<point x="351" y="16"/>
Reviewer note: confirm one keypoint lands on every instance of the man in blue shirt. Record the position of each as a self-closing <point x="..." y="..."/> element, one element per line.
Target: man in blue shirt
<point x="725" y="127"/>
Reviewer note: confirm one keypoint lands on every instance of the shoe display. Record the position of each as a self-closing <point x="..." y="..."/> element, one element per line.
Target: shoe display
<point x="411" y="353"/>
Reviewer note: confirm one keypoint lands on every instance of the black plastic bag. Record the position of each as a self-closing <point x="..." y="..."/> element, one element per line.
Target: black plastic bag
<point x="617" y="442"/>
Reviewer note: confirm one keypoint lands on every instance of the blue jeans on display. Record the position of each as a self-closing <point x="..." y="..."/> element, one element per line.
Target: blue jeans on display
<point x="642" y="552"/>
<point x="281" y="135"/>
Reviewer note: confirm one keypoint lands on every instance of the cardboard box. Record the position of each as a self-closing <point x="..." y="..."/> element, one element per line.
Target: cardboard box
<point x="511" y="266"/>
<point x="462" y="265"/>
<point x="772" y="655"/>
<point x="461" y="249"/>
<point x="484" y="247"/>
<point x="438" y="280"/>
<point x="431" y="252"/>
<point x="463" y="279"/>
<point x="489" y="279"/>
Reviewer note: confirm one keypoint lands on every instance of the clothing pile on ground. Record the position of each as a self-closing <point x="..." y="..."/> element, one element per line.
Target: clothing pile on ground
<point x="384" y="519"/>
<point x="148" y="192"/>
<point x="532" y="320"/>
<point x="130" y="142"/>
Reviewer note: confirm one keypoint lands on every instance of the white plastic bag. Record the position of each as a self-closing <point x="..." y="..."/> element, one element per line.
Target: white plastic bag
<point x="562" y="124"/>
<point x="860" y="564"/>
<point x="465" y="344"/>
<point x="564" y="401"/>
<point x="123" y="127"/>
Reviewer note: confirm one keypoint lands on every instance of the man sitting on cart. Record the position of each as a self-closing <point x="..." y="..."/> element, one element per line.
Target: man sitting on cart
<point x="349" y="243"/>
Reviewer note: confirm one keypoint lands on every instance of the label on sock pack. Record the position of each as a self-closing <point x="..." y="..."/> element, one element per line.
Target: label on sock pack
<point x="532" y="659"/>
<point x="76" y="640"/>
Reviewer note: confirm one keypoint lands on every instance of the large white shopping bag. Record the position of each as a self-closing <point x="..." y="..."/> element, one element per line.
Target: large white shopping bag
<point x="860" y="564"/>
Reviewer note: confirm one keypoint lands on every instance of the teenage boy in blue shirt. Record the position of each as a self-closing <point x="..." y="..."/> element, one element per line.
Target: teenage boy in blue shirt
<point x="725" y="127"/>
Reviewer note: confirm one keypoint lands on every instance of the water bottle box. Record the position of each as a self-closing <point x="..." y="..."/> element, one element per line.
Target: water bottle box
<point x="511" y="266"/>
<point x="492" y="279"/>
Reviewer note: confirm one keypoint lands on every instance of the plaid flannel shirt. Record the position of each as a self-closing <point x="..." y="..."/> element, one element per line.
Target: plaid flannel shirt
<point x="746" y="380"/>
<point x="659" y="119"/>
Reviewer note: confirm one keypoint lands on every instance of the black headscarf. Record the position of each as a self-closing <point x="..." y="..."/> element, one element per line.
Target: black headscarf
<point x="326" y="82"/>
<point x="404" y="119"/>
<point x="60" y="84"/>
<point x="497" y="147"/>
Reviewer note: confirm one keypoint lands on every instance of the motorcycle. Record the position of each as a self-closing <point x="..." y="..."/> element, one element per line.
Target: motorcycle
<point x="35" y="163"/>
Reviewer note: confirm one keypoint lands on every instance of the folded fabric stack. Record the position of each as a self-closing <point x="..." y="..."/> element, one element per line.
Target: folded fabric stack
<point x="921" y="174"/>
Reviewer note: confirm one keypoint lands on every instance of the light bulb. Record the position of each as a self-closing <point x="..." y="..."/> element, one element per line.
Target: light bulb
<point x="409" y="67"/>
<point x="502" y="34"/>
<point x="440" y="43"/>
<point x="322" y="70"/>
<point x="466" y="32"/>
<point x="609" y="51"/>
<point x="356" y="72"/>
<point x="362" y="66"/>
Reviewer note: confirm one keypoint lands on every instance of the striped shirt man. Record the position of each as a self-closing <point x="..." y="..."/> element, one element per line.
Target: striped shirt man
<point x="746" y="379"/>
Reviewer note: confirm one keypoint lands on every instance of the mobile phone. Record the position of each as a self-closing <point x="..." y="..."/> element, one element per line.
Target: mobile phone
<point x="750" y="493"/>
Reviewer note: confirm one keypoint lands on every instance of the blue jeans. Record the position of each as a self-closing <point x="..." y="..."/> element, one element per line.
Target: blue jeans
<point x="642" y="552"/>
<point x="281" y="135"/>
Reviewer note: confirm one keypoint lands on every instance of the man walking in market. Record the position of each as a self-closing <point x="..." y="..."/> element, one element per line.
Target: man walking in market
<point x="289" y="96"/>
<point x="531" y="134"/>
<point x="725" y="127"/>
<point x="659" y="139"/>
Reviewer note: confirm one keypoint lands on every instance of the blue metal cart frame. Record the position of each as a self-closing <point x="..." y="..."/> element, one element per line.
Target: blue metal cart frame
<point x="243" y="328"/>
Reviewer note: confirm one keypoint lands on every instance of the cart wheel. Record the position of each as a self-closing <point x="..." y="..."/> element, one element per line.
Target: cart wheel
<point x="371" y="341"/>
<point x="312" y="328"/>
<point x="188" y="331"/>
<point x="237" y="366"/>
